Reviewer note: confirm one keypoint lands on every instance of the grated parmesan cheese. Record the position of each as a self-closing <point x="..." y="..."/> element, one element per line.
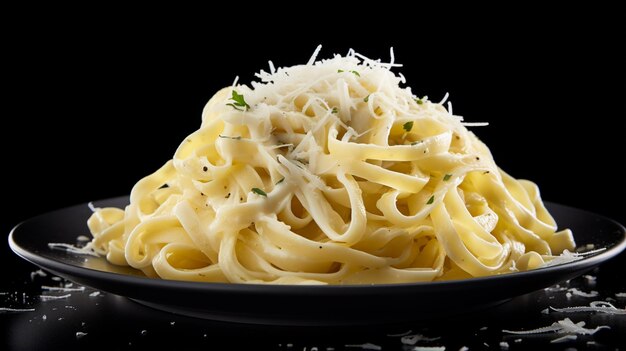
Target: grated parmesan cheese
<point x="562" y="327"/>
<point x="563" y="339"/>
<point x="8" y="309"/>
<point x="595" y="306"/>
<point x="589" y="278"/>
<point x="87" y="250"/>
<point x="568" y="257"/>
<point x="366" y="346"/>
<point x="577" y="292"/>
<point x="504" y="345"/>
<point x="429" y="348"/>
<point x="37" y="273"/>
<point x="620" y="294"/>
<point x="413" y="339"/>
<point x="55" y="288"/>
<point x="50" y="298"/>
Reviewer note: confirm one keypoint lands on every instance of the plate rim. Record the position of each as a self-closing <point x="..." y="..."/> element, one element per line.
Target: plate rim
<point x="304" y="290"/>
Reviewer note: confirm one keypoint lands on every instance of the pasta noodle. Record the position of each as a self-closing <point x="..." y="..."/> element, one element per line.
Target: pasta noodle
<point x="329" y="173"/>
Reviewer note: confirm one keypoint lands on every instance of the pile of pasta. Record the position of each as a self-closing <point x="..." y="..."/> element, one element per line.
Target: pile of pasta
<point x="329" y="173"/>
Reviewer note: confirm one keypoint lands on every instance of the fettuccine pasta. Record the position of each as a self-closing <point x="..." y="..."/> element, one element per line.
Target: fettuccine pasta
<point x="329" y="173"/>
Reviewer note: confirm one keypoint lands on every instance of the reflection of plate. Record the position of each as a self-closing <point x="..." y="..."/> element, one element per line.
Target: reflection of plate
<point x="307" y="305"/>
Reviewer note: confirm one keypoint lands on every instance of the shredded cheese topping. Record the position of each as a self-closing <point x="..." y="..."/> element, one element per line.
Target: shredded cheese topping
<point x="562" y="327"/>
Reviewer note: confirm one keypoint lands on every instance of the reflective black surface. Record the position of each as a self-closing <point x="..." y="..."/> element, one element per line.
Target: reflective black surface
<point x="115" y="322"/>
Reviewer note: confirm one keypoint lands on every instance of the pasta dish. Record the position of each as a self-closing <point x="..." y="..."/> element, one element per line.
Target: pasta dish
<point x="329" y="173"/>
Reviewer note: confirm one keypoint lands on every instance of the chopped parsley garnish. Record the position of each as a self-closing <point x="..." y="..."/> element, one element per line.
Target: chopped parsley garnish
<point x="259" y="192"/>
<point x="239" y="103"/>
<point x="447" y="177"/>
<point x="417" y="142"/>
<point x="408" y="126"/>
<point x="366" y="99"/>
<point x="280" y="181"/>
<point x="419" y="101"/>
<point x="353" y="72"/>
<point x="431" y="200"/>
<point x="229" y="137"/>
<point x="334" y="110"/>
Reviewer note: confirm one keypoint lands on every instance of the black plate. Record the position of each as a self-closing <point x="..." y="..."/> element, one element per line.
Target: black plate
<point x="303" y="305"/>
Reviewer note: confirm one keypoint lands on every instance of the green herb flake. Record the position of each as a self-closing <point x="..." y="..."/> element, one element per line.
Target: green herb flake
<point x="334" y="110"/>
<point x="431" y="200"/>
<point x="447" y="177"/>
<point x="419" y="101"/>
<point x="280" y="181"/>
<point x="340" y="71"/>
<point x="408" y="126"/>
<point x="366" y="99"/>
<point x="239" y="103"/>
<point x="259" y="192"/>
<point x="356" y="73"/>
<point x="229" y="137"/>
<point x="417" y="142"/>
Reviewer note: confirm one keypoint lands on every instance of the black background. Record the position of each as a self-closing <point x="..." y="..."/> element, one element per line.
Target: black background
<point x="94" y="106"/>
<point x="91" y="106"/>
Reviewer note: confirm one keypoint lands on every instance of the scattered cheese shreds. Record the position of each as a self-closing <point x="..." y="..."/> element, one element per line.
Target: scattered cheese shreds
<point x="577" y="292"/>
<point x="595" y="306"/>
<point x="562" y="327"/>
<point x="545" y="311"/>
<point x="94" y="294"/>
<point x="37" y="273"/>
<point x="80" y="335"/>
<point x="563" y="339"/>
<point x="504" y="345"/>
<point x="589" y="278"/>
<point x="87" y="250"/>
<point x="429" y="348"/>
<point x="50" y="298"/>
<point x="55" y="288"/>
<point x="8" y="309"/>
<point x="567" y="257"/>
<point x="415" y="338"/>
<point x="366" y="346"/>
<point x="620" y="294"/>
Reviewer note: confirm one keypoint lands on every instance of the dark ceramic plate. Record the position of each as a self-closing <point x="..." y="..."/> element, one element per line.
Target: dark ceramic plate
<point x="304" y="305"/>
